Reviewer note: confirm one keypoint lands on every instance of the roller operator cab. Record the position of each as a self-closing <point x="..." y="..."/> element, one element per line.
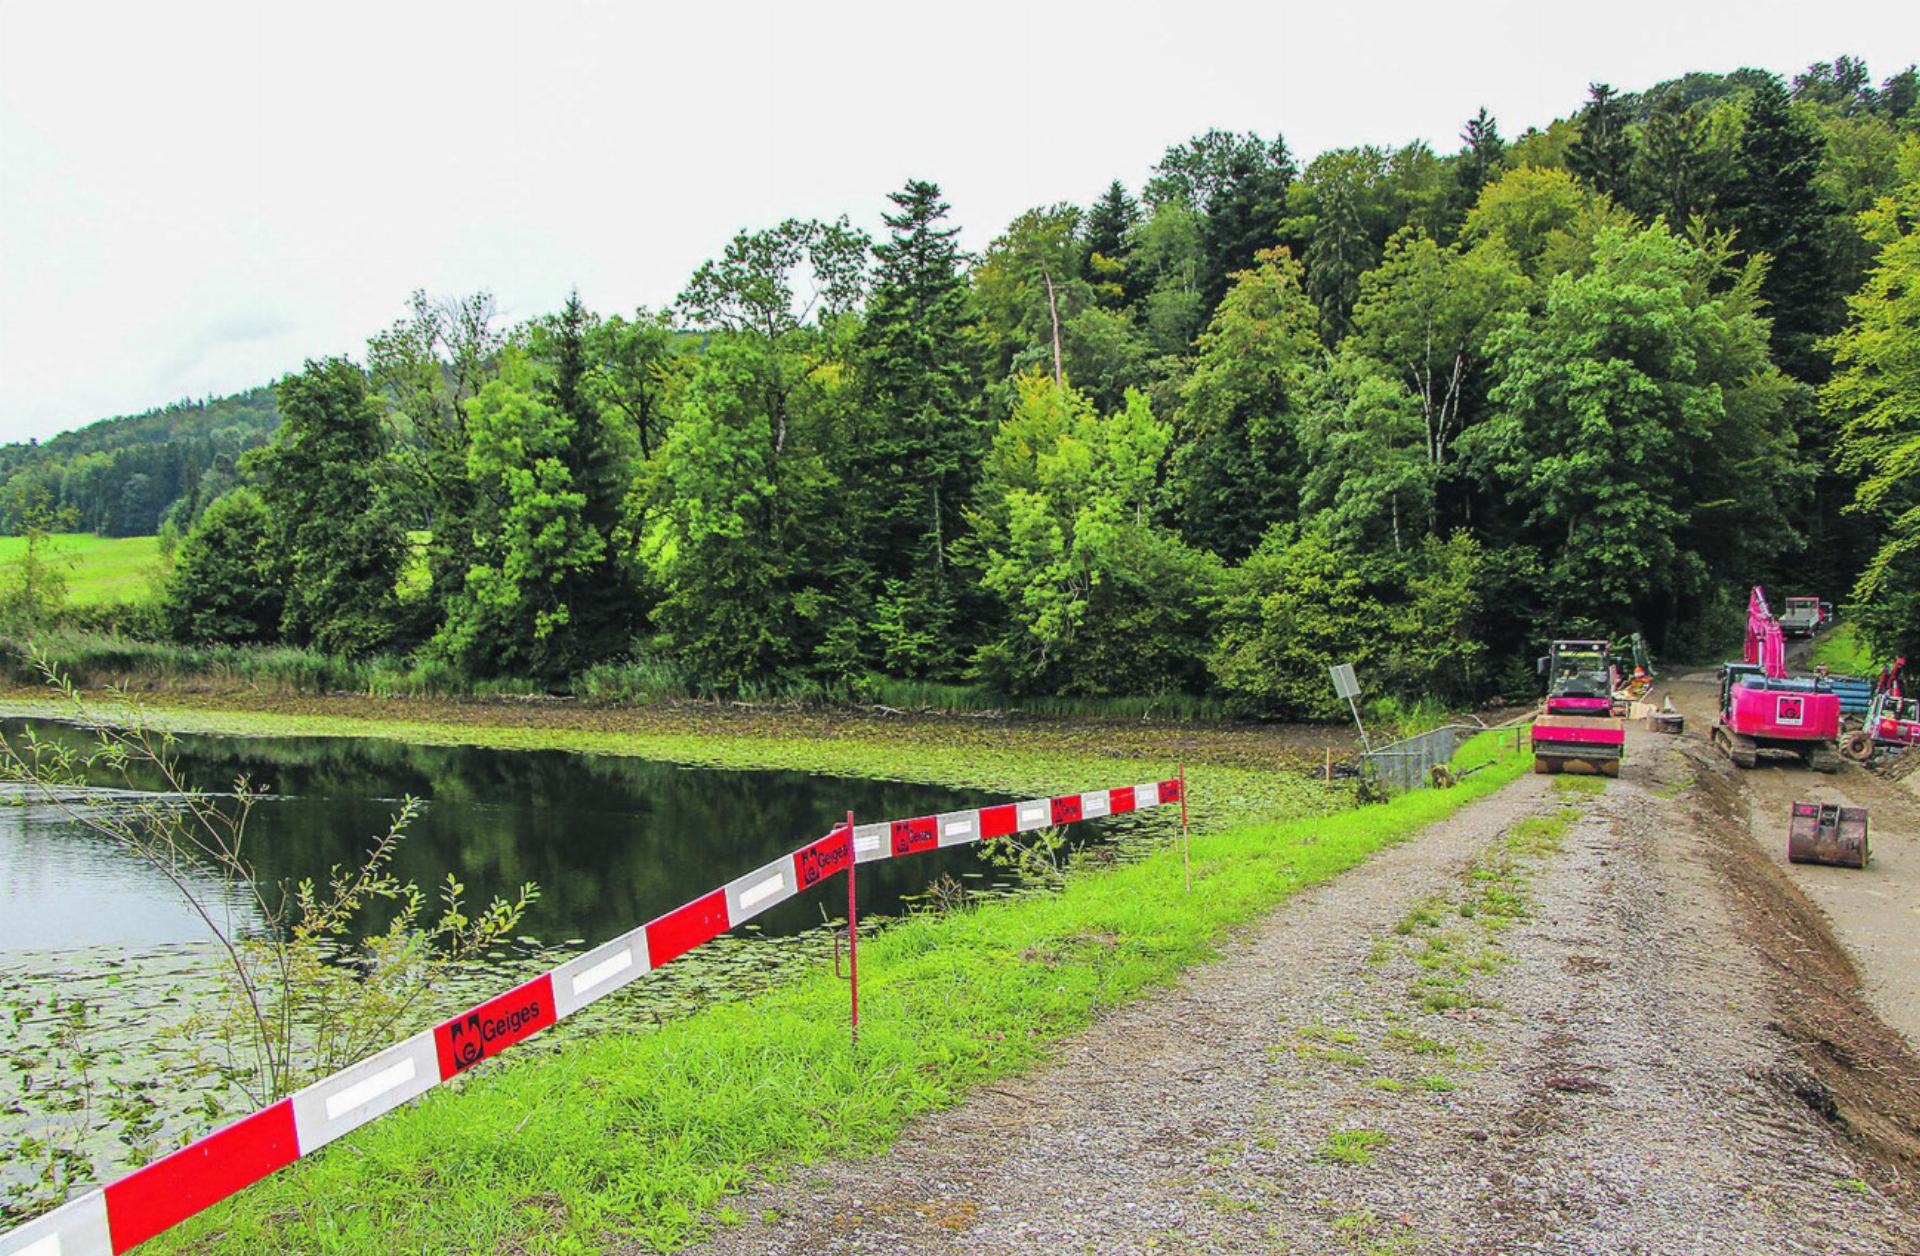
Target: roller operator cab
<point x="1575" y="730"/>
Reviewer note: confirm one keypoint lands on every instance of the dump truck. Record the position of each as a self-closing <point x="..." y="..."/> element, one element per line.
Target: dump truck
<point x="1803" y="617"/>
<point x="1576" y="730"/>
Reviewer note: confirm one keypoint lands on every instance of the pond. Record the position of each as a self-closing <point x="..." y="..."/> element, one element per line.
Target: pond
<point x="611" y="841"/>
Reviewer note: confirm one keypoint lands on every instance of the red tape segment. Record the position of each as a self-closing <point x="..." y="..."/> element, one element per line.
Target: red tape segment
<point x="910" y="837"/>
<point x="149" y="1200"/>
<point x="168" y="1191"/>
<point x="494" y="1026"/>
<point x="816" y="861"/>
<point x="684" y="928"/>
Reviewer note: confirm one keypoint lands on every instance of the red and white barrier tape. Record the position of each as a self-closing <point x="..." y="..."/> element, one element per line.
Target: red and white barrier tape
<point x="150" y="1200"/>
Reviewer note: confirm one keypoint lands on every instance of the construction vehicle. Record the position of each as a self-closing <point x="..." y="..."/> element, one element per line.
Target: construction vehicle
<point x="1763" y="710"/>
<point x="1576" y="730"/>
<point x="1633" y="677"/>
<point x="1803" y="617"/>
<point x="1891" y="719"/>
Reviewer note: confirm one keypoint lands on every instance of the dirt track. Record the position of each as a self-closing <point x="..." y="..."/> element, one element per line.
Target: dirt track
<point x="1662" y="1052"/>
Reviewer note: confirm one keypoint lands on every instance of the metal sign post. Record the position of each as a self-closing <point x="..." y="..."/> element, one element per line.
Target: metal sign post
<point x="1347" y="685"/>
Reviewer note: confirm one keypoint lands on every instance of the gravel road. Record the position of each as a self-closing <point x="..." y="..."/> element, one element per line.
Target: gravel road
<point x="1547" y="1025"/>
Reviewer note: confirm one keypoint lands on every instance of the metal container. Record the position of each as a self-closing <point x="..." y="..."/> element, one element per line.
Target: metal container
<point x="1825" y="833"/>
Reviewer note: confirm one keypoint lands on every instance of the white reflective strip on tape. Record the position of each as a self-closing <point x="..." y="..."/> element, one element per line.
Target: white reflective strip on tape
<point x="870" y="842"/>
<point x="1035" y="815"/>
<point x="958" y="827"/>
<point x="599" y="972"/>
<point x="1092" y="805"/>
<point x="369" y="1090"/>
<point x="355" y="1095"/>
<point x="78" y="1228"/>
<point x="610" y="967"/>
<point x="1147" y="795"/>
<point x="760" y="889"/>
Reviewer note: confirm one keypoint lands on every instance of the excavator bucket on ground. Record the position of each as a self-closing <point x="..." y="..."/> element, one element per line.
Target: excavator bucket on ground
<point x="1823" y="833"/>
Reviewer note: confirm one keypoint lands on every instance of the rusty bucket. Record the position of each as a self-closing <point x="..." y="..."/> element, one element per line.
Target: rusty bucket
<point x="1824" y="833"/>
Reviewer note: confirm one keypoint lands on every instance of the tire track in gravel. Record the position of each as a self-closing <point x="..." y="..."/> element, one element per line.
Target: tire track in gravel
<point x="1516" y="1033"/>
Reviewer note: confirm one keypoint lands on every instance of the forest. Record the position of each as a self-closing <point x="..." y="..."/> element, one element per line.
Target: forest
<point x="1409" y="409"/>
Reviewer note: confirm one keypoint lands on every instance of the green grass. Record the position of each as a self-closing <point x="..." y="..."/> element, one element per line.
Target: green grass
<point x="639" y="1137"/>
<point x="1354" y="1147"/>
<point x="1842" y="651"/>
<point x="100" y="570"/>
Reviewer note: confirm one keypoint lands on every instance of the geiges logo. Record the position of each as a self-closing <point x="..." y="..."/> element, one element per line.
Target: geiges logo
<point x="471" y="1038"/>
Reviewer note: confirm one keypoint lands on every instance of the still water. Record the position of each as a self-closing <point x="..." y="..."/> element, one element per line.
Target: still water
<point x="611" y="841"/>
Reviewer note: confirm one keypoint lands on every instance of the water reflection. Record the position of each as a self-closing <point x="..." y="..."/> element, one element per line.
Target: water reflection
<point x="611" y="841"/>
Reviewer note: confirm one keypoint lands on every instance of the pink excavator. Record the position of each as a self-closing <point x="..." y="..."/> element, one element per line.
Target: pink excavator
<point x="1765" y="711"/>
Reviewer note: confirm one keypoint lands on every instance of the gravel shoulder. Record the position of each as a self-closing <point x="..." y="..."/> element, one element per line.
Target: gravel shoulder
<point x="1551" y="1023"/>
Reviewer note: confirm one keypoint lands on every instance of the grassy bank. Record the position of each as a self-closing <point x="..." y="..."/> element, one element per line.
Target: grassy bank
<point x="639" y="1137"/>
<point x="1842" y="650"/>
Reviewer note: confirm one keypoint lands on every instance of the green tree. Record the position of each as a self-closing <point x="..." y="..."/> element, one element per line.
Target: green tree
<point x="1673" y="174"/>
<point x="1237" y="465"/>
<point x="515" y="611"/>
<point x="1482" y="157"/>
<point x="919" y="436"/>
<point x="1544" y="219"/>
<point x="427" y="369"/>
<point x="1603" y="155"/>
<point x="33" y="589"/>
<point x="636" y="367"/>
<point x="227" y="582"/>
<point x="1423" y="319"/>
<point x="1109" y="237"/>
<point x="1301" y="603"/>
<point x="1338" y="255"/>
<point x="1634" y="415"/>
<point x="324" y="484"/>
<point x="1874" y="397"/>
<point x="1097" y="598"/>
<point x="1776" y="204"/>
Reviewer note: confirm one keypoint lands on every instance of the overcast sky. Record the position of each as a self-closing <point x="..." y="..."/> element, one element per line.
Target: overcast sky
<point x="195" y="197"/>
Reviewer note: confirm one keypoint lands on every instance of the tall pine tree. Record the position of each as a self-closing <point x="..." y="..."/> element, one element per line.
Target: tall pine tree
<point x="1777" y="206"/>
<point x="921" y="436"/>
<point x="1603" y="155"/>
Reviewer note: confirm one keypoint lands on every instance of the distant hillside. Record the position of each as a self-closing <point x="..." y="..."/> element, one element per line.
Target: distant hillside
<point x="122" y="476"/>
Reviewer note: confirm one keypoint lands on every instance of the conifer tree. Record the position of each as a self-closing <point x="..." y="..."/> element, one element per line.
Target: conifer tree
<point x="920" y="432"/>
<point x="1603" y="154"/>
<point x="1777" y="206"/>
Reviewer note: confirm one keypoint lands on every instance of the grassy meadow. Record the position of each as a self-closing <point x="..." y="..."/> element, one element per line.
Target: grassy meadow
<point x="99" y="570"/>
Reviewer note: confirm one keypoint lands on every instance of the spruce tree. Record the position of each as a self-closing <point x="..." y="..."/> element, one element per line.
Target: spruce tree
<point x="1481" y="159"/>
<point x="1110" y="221"/>
<point x="1603" y="154"/>
<point x="921" y="437"/>
<point x="1777" y="206"/>
<point x="599" y="597"/>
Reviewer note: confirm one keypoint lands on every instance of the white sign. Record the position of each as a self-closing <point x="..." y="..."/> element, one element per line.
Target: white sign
<point x="1345" y="683"/>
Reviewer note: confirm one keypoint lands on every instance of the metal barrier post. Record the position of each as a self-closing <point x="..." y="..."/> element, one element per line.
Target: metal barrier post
<point x="853" y="935"/>
<point x="1186" y="846"/>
